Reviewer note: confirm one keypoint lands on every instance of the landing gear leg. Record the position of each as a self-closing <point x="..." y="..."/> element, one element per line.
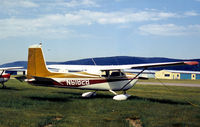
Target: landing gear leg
<point x="3" y="86"/>
<point x="126" y="94"/>
<point x="113" y="92"/>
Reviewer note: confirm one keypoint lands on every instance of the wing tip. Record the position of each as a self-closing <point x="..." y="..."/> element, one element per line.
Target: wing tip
<point x="191" y="63"/>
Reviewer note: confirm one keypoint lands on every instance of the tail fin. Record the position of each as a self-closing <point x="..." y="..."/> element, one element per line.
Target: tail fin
<point x="36" y="63"/>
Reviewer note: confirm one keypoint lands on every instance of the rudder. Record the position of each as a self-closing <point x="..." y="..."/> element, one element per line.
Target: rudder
<point x="36" y="62"/>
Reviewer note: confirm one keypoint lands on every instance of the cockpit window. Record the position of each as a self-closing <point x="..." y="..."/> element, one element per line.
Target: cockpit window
<point x="112" y="73"/>
<point x="105" y="74"/>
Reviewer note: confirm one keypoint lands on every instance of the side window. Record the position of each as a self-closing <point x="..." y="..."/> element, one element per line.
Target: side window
<point x="167" y="75"/>
<point x="105" y="73"/>
<point x="112" y="73"/>
<point x="115" y="74"/>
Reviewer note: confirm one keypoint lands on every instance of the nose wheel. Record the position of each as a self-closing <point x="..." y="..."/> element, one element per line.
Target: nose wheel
<point x="120" y="97"/>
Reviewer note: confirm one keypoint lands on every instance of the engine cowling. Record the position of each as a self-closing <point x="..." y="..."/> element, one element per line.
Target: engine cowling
<point x="88" y="94"/>
<point x="121" y="97"/>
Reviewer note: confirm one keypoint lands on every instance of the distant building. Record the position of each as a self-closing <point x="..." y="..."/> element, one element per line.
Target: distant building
<point x="173" y="74"/>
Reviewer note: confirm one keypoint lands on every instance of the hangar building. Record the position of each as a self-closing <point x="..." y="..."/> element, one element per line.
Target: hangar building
<point x="173" y="74"/>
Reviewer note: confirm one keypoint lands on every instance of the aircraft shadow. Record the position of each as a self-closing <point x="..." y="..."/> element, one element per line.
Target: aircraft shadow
<point x="73" y="93"/>
<point x="103" y="96"/>
<point x="9" y="88"/>
<point x="76" y="95"/>
<point x="51" y="99"/>
<point x="162" y="101"/>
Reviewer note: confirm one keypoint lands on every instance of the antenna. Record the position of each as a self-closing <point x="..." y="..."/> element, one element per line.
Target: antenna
<point x="94" y="62"/>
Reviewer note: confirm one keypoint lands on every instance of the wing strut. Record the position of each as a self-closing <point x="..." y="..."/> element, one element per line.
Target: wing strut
<point x="2" y="73"/>
<point x="133" y="78"/>
<point x="3" y="79"/>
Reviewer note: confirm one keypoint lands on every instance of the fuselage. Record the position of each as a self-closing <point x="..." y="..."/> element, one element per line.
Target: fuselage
<point x="117" y="82"/>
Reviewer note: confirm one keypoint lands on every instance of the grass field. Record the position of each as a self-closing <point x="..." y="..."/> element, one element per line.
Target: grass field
<point x="23" y="105"/>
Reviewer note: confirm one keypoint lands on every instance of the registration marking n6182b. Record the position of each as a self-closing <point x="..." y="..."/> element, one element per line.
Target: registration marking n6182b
<point x="77" y="82"/>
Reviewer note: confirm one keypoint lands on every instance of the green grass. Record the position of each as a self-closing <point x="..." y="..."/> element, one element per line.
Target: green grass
<point x="23" y="105"/>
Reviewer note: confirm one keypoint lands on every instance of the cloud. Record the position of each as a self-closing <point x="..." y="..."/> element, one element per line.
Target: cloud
<point x="16" y="7"/>
<point x="77" y="3"/>
<point x="90" y="17"/>
<point x="191" y="13"/>
<point x="59" y="23"/>
<point x="30" y="27"/>
<point x="169" y="30"/>
<point x="58" y="4"/>
<point x="18" y="3"/>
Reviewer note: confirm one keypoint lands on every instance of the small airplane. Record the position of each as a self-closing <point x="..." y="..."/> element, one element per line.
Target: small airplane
<point x="4" y="77"/>
<point x="97" y="78"/>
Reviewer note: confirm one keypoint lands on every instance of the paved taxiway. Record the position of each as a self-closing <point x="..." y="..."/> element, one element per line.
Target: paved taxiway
<point x="169" y="84"/>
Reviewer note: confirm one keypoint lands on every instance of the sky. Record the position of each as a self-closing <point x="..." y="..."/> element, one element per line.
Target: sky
<point x="77" y="29"/>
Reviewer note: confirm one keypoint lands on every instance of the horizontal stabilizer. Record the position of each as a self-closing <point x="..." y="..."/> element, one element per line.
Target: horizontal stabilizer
<point x="21" y="78"/>
<point x="46" y="81"/>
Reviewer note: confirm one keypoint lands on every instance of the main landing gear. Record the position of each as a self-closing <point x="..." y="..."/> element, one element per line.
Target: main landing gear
<point x="88" y="94"/>
<point x="118" y="97"/>
<point x="3" y="86"/>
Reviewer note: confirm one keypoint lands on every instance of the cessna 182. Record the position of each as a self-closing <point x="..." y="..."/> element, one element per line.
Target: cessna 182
<point x="4" y="77"/>
<point x="97" y="78"/>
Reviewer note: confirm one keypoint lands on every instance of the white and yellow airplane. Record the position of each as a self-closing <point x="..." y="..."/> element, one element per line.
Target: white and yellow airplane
<point x="4" y="77"/>
<point x="96" y="78"/>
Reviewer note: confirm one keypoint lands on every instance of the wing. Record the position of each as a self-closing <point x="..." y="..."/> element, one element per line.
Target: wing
<point x="150" y="65"/>
<point x="10" y="68"/>
<point x="117" y="67"/>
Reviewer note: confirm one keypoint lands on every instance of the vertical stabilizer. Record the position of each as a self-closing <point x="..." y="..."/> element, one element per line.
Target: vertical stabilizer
<point x="36" y="63"/>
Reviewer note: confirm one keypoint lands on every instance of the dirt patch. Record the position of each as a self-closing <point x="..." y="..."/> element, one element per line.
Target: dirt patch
<point x="135" y="122"/>
<point x="49" y="125"/>
<point x="58" y="118"/>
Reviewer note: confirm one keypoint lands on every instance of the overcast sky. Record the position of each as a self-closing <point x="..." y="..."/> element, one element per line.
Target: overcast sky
<point x="75" y="29"/>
